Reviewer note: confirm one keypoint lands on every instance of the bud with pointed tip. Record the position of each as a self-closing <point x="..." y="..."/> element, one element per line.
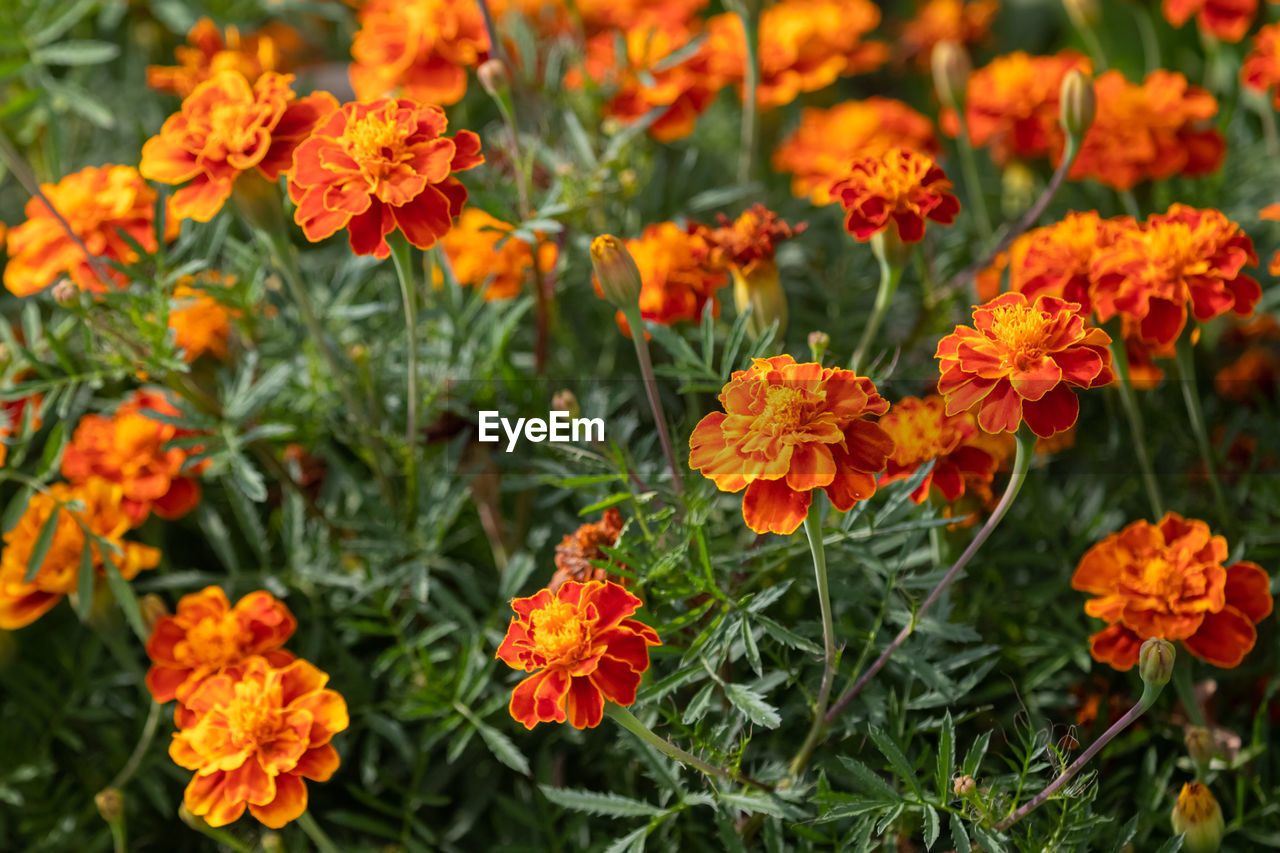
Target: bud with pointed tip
<point x="951" y="68"/>
<point x="1155" y="662"/>
<point x="494" y="77"/>
<point x="1078" y="104"/>
<point x="1199" y="743"/>
<point x="616" y="271"/>
<point x="153" y="609"/>
<point x="1198" y="818"/>
<point x="110" y="803"/>
<point x="818" y="343"/>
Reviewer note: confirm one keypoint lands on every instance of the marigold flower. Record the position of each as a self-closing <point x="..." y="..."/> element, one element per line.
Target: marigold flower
<point x="600" y="15"/>
<point x="1261" y="69"/>
<point x="209" y="53"/>
<point x="257" y="733"/>
<point x="98" y="202"/>
<point x="576" y="551"/>
<point x="23" y="602"/>
<point x="129" y="449"/>
<point x="207" y="634"/>
<point x="1255" y="373"/>
<point x="13" y="413"/>
<point x="900" y="188"/>
<point x="786" y="430"/>
<point x="746" y="246"/>
<point x="1184" y="258"/>
<point x="374" y="167"/>
<point x="818" y="152"/>
<point x="677" y="273"/>
<point x="1019" y="363"/>
<point x="582" y="650"/>
<point x="1226" y="20"/>
<point x="1198" y="818"/>
<point x="921" y="431"/>
<point x="805" y="45"/>
<point x="201" y="324"/>
<point x="1167" y="580"/>
<point x="484" y="253"/>
<point x="1055" y="260"/>
<point x="223" y="129"/>
<point x="935" y="21"/>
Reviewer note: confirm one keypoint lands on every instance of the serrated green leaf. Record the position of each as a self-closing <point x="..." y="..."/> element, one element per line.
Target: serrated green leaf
<point x="123" y="593"/>
<point x="977" y="751"/>
<point x="84" y="583"/>
<point x="749" y="643"/>
<point x="946" y="757"/>
<point x="901" y="766"/>
<point x="699" y="704"/>
<point x="41" y="547"/>
<point x="960" y="836"/>
<point x="753" y="705"/>
<point x="932" y="826"/>
<point x="503" y="748"/>
<point x="632" y="842"/>
<point x="81" y="52"/>
<point x="869" y="782"/>
<point x="593" y="802"/>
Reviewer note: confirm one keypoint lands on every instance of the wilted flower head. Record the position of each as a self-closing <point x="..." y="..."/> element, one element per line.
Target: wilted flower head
<point x="820" y="149"/>
<point x="483" y="252"/>
<point x="900" y="189"/>
<point x="677" y="274"/>
<point x="209" y="53"/>
<point x="749" y="241"/>
<point x="786" y="430"/>
<point x="1019" y="363"/>
<point x="1167" y="580"/>
<point x="420" y="49"/>
<point x="1226" y="20"/>
<point x="922" y="431"/>
<point x="582" y="649"/>
<point x="576" y="551"/>
<point x="935" y="21"/>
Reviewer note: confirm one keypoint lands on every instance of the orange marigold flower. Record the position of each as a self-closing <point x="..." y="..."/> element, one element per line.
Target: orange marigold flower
<point x="1019" y="363"/>
<point x="1261" y="69"/>
<point x="207" y="634"/>
<point x="900" y="188"/>
<point x="921" y="431"/>
<point x="677" y="273"/>
<point x="1184" y="258"/>
<point x="98" y="202"/>
<point x="257" y="733"/>
<point x="201" y="324"/>
<point x="1149" y="131"/>
<point x="1167" y="580"/>
<point x="1055" y="260"/>
<point x="805" y="45"/>
<point x="786" y="430"/>
<point x="1012" y="104"/>
<point x="576" y="551"/>
<point x="483" y="252"/>
<point x="600" y="15"/>
<point x="128" y="449"/>
<point x="946" y="20"/>
<point x="374" y="167"/>
<point x="209" y="53"/>
<point x="23" y="602"/>
<point x="225" y="128"/>
<point x="582" y="650"/>
<point x="14" y="412"/>
<point x="420" y="49"/>
<point x="1227" y="20"/>
<point x="1255" y="373"/>
<point x="819" y="150"/>
<point x="749" y="241"/>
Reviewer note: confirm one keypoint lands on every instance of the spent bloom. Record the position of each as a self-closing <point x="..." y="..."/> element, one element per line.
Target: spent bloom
<point x="1261" y="69"/>
<point x="207" y="633"/>
<point x="1019" y="363"/>
<point x="820" y="149"/>
<point x="746" y="247"/>
<point x="786" y="430"/>
<point x="1168" y="580"/>
<point x="483" y="252"/>
<point x="582" y="650"/>
<point x="23" y="602"/>
<point x="225" y="128"/>
<point x="208" y="52"/>
<point x="576" y="550"/>
<point x="256" y="734"/>
<point x="922" y="431"/>
<point x="1225" y="20"/>
<point x="374" y="167"/>
<point x="901" y="189"/>
<point x="98" y="202"/>
<point x="935" y="21"/>
<point x="677" y="273"/>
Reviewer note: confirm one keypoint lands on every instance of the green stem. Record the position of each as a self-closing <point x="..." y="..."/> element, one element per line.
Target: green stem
<point x="636" y="324"/>
<point x="219" y="836"/>
<point x="1186" y="690"/>
<point x="813" y="530"/>
<point x="969" y="167"/>
<point x="1184" y="367"/>
<point x="631" y="723"/>
<point x="316" y="834"/>
<point x="1094" y="45"/>
<point x="890" y="275"/>
<point x="1147" y="32"/>
<point x="402" y="256"/>
<point x="140" y="750"/>
<point x="1021" y="464"/>
<point x="1136" y="430"/>
<point x="751" y="84"/>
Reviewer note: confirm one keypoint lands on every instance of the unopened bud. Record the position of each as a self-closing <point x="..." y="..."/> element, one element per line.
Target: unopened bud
<point x="761" y="291"/>
<point x="1017" y="189"/>
<point x="1155" y="662"/>
<point x="153" y="609"/>
<point x="964" y="785"/>
<point x="110" y="803"/>
<point x="951" y="68"/>
<point x="616" y="271"/>
<point x="1199" y="743"/>
<point x="818" y="343"/>
<point x="1083" y="13"/>
<point x="65" y="292"/>
<point x="566" y="401"/>
<point x="1198" y="818"/>
<point x="271" y="842"/>
<point x="494" y="77"/>
<point x="1078" y="104"/>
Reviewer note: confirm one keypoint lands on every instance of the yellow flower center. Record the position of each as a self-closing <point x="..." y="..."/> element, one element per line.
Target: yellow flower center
<point x="559" y="632"/>
<point x="252" y="718"/>
<point x="214" y="641"/>
<point x="376" y="142"/>
<point x="231" y="124"/>
<point x="1161" y="578"/>
<point x="1021" y="329"/>
<point x="784" y="410"/>
<point x="1173" y="250"/>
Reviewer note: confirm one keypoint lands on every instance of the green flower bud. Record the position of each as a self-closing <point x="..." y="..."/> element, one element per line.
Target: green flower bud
<point x="1078" y="104"/>
<point x="951" y="69"/>
<point x="616" y="271"/>
<point x="1155" y="662"/>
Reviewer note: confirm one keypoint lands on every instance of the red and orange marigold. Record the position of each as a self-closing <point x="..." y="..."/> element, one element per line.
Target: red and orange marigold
<point x="225" y="128"/>
<point x="1261" y="69"/>
<point x="678" y="275"/>
<point x="582" y="649"/>
<point x="1019" y="362"/>
<point x="23" y="602"/>
<point x="935" y="21"/>
<point x="1227" y="20"/>
<point x="788" y="429"/>
<point x="1168" y="580"/>
<point x="921" y="430"/>
<point x="208" y="53"/>
<point x="900" y="188"/>
<point x="379" y="166"/>
<point x="257" y="733"/>
<point x="1055" y="260"/>
<point x="98" y="203"/>
<point x="207" y="634"/>
<point x="420" y="49"/>
<point x="483" y="252"/>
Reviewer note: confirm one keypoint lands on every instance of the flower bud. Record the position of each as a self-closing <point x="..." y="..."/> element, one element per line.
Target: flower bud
<point x="566" y="401"/>
<point x="1155" y="662"/>
<point x="818" y="343"/>
<point x="65" y="292"/>
<point x="616" y="271"/>
<point x="964" y="785"/>
<point x="1017" y="189"/>
<point x="494" y="77"/>
<point x="761" y="291"/>
<point x="951" y="68"/>
<point x="153" y="609"/>
<point x="110" y="803"/>
<point x="1198" y="818"/>
<point x="1078" y="104"/>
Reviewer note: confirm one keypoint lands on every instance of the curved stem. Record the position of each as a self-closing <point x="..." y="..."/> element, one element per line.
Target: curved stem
<point x="636" y="324"/>
<point x="1186" y="690"/>
<point x="1136" y="430"/>
<point x="751" y="83"/>
<point x="140" y="750"/>
<point x="813" y="530"/>
<point x="631" y="723"/>
<point x="401" y="254"/>
<point x="1147" y="32"/>
<point x="1184" y="365"/>
<point x="1021" y="463"/>
<point x="316" y="834"/>
<point x="969" y="166"/>
<point x="890" y="275"/>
